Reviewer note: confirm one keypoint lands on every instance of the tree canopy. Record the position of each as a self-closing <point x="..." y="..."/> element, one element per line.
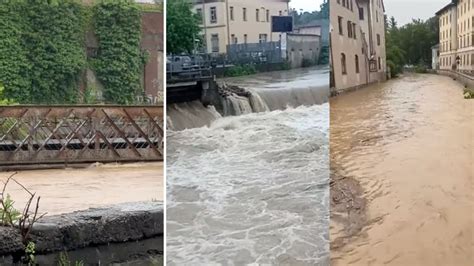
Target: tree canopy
<point x="410" y="44"/>
<point x="182" y="27"/>
<point x="304" y="18"/>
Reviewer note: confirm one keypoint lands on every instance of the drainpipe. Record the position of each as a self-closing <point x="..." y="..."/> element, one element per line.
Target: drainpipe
<point x="228" y="24"/>
<point x="204" y="21"/>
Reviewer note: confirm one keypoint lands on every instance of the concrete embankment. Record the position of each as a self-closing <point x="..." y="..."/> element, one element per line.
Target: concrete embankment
<point x="113" y="234"/>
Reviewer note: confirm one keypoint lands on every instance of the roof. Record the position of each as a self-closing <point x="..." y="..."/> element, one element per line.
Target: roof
<point x="446" y="7"/>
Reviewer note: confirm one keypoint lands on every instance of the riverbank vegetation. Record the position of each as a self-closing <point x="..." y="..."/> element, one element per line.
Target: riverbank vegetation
<point x="410" y="44"/>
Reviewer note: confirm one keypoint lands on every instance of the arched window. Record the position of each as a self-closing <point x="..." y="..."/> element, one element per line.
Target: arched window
<point x="357" y="63"/>
<point x="343" y="64"/>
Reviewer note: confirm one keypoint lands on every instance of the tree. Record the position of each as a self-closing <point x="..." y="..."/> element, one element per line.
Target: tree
<point x="410" y="44"/>
<point x="182" y="27"/>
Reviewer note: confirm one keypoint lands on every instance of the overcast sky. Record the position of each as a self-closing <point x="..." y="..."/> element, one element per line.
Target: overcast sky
<point x="306" y="5"/>
<point x="405" y="10"/>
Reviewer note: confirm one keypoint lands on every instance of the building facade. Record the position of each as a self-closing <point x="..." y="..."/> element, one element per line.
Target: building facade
<point x="227" y="22"/>
<point x="435" y="57"/>
<point x="357" y="36"/>
<point x="456" y="38"/>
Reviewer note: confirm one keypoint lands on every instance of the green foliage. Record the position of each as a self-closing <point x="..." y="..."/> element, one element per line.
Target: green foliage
<point x="41" y="50"/>
<point x="240" y="70"/>
<point x="14" y="64"/>
<point x="308" y="62"/>
<point x="30" y="250"/>
<point x="119" y="61"/>
<point x="64" y="260"/>
<point x="468" y="93"/>
<point x="411" y="43"/>
<point x="324" y="56"/>
<point x="55" y="45"/>
<point x="3" y="99"/>
<point x="8" y="214"/>
<point x="304" y="18"/>
<point x="182" y="27"/>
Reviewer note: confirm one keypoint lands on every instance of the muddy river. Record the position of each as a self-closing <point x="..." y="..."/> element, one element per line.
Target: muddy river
<point x="68" y="190"/>
<point x="254" y="188"/>
<point x="402" y="164"/>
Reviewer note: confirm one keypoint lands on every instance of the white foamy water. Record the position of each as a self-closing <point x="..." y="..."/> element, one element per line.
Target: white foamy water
<point x="250" y="189"/>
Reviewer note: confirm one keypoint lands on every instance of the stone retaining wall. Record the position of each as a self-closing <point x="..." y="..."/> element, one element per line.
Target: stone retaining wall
<point x="108" y="232"/>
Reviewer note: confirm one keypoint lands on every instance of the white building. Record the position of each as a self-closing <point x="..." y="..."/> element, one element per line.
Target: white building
<point x="227" y="22"/>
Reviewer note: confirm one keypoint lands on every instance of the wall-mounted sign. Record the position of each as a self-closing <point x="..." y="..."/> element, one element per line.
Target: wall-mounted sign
<point x="373" y="65"/>
<point x="282" y="24"/>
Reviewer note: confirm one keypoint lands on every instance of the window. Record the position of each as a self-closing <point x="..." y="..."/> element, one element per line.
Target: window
<point x="377" y="15"/>
<point x="262" y="38"/>
<point x="343" y="64"/>
<point x="354" y="30"/>
<point x="245" y="38"/>
<point x="268" y="15"/>
<point x="357" y="63"/>
<point x="199" y="14"/>
<point x="280" y="13"/>
<point x="257" y="15"/>
<point x="231" y="11"/>
<point x="351" y="5"/>
<point x="349" y="29"/>
<point x="361" y="13"/>
<point x="213" y="15"/>
<point x="215" y="43"/>
<point x="378" y="39"/>
<point x="244" y="13"/>
<point x="339" y="19"/>
<point x="234" y="39"/>
<point x="380" y="63"/>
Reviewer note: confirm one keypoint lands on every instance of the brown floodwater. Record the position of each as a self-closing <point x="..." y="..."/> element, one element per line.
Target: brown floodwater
<point x="408" y="146"/>
<point x="69" y="190"/>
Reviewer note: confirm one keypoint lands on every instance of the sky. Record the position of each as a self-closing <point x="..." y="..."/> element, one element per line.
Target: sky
<point x="405" y="10"/>
<point x="306" y="5"/>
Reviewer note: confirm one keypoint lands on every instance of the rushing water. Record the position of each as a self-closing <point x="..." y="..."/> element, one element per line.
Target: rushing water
<point x="250" y="189"/>
<point x="269" y="92"/>
<point x="409" y="143"/>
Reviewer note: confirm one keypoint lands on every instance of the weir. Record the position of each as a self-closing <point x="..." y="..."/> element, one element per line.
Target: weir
<point x="240" y="96"/>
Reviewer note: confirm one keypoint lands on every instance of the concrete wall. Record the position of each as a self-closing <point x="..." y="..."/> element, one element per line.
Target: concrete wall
<point x="301" y="47"/>
<point x="466" y="80"/>
<point x="152" y="42"/>
<point x="115" y="233"/>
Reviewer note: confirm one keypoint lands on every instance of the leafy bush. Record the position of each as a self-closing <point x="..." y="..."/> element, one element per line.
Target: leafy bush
<point x="468" y="93"/>
<point x="308" y="62"/>
<point x="240" y="70"/>
<point x="420" y="69"/>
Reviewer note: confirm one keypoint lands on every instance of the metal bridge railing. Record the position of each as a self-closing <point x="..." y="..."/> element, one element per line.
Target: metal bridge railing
<point x="80" y="134"/>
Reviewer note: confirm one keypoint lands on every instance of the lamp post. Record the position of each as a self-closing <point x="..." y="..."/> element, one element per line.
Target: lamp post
<point x="458" y="62"/>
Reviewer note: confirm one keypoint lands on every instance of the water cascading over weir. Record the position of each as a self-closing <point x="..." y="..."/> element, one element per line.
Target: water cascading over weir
<point x="199" y="104"/>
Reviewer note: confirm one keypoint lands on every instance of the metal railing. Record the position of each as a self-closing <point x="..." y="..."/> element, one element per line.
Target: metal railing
<point x="80" y="134"/>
